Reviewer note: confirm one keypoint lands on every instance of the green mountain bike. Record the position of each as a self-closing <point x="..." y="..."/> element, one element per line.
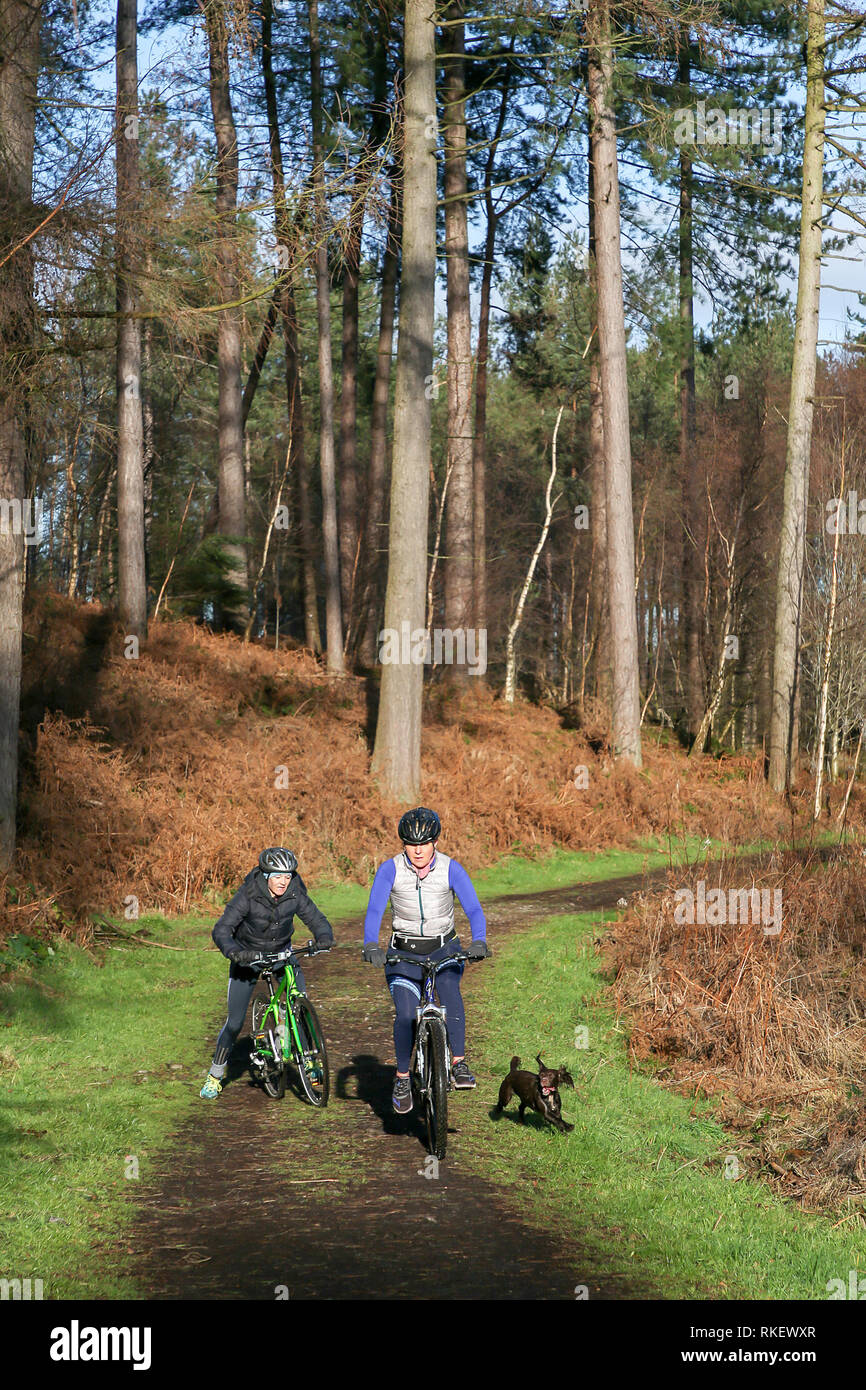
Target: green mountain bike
<point x="286" y="1029"/>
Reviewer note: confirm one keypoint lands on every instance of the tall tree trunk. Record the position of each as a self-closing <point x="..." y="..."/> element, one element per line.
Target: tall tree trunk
<point x="598" y="503"/>
<point x="132" y="581"/>
<point x="397" y="752"/>
<point x="148" y="446"/>
<point x="614" y="383"/>
<point x="792" y="551"/>
<point x="232" y="499"/>
<point x="459" y="533"/>
<point x="312" y="631"/>
<point x="692" y="607"/>
<point x="374" y="527"/>
<point x="479" y="438"/>
<point x="384" y="125"/>
<point x="19" y="66"/>
<point x="333" y="617"/>
<point x="288" y="314"/>
<point x="350" y="526"/>
<point x="598" y="522"/>
<point x="479" y="441"/>
<point x="354" y="532"/>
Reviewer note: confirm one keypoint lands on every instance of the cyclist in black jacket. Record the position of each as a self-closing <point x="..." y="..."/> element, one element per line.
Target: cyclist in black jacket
<point x="259" y="919"/>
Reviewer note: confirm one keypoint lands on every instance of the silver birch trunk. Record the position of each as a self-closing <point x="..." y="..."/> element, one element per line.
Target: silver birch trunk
<point x="514" y="628"/>
<point x="437" y="543"/>
<point x="843" y="809"/>
<point x="132" y="580"/>
<point x="96" y="577"/>
<point x="267" y="545"/>
<point x="712" y="709"/>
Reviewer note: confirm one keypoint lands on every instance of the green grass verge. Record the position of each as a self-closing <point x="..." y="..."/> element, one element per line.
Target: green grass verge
<point x="98" y="1063"/>
<point x="641" y="1179"/>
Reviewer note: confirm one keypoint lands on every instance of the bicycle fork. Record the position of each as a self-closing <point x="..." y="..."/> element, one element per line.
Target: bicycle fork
<point x="429" y="1010"/>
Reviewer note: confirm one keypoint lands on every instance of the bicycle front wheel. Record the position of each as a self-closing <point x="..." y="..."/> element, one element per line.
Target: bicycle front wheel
<point x="436" y="1091"/>
<point x="312" y="1062"/>
<point x="274" y="1069"/>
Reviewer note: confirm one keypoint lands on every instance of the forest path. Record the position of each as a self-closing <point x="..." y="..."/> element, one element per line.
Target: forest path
<point x="259" y="1199"/>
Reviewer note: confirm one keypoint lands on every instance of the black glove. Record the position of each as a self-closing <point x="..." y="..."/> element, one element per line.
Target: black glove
<point x="374" y="954"/>
<point x="244" y="957"/>
<point x="324" y="943"/>
<point x="477" y="949"/>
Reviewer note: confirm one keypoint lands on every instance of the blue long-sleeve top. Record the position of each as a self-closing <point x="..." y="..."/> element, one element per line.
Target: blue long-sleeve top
<point x="458" y="880"/>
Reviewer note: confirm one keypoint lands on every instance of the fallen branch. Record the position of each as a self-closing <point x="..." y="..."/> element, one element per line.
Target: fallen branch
<point x="138" y="940"/>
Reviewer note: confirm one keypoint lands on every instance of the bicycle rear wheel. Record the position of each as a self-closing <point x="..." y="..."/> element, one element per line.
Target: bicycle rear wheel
<point x="436" y="1093"/>
<point x="274" y="1069"/>
<point x="312" y="1064"/>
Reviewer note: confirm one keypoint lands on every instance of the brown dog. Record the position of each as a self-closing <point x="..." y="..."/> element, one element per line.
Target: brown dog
<point x="539" y="1090"/>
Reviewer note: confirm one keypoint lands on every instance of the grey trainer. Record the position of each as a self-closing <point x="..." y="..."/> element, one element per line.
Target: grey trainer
<point x="462" y="1077"/>
<point x="401" y="1097"/>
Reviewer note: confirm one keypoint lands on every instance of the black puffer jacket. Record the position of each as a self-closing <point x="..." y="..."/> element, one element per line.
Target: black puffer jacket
<point x="256" y="920"/>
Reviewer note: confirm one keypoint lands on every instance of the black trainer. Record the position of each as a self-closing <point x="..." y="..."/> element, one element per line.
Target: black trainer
<point x="401" y="1096"/>
<point x="462" y="1077"/>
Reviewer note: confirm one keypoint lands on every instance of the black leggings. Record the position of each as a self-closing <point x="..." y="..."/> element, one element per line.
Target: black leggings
<point x="242" y="982"/>
<point x="407" y="996"/>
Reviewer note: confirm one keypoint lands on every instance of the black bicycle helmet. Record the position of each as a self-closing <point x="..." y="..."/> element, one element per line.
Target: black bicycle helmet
<point x="277" y="861"/>
<point x="418" y="826"/>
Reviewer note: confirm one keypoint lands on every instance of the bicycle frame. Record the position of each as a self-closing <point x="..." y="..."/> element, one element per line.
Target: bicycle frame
<point x="428" y="1009"/>
<point x="287" y="993"/>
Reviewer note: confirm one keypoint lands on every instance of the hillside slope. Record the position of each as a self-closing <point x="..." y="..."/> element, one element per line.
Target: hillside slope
<point x="162" y="776"/>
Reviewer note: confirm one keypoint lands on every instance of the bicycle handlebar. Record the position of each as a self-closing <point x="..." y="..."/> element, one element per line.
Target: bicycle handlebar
<point x="395" y="957"/>
<point x="276" y="958"/>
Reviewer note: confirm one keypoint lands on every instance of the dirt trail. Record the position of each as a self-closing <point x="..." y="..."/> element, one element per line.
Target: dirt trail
<point x="256" y="1195"/>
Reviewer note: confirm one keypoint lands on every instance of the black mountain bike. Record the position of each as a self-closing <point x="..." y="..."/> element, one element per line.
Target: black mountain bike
<point x="430" y="1065"/>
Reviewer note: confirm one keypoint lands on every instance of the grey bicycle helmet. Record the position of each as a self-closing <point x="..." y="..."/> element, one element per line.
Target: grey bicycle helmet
<point x="418" y="826"/>
<point x="277" y="861"/>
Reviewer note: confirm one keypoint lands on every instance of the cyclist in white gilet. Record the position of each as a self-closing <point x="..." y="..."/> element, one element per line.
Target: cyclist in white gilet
<point x="420" y="884"/>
